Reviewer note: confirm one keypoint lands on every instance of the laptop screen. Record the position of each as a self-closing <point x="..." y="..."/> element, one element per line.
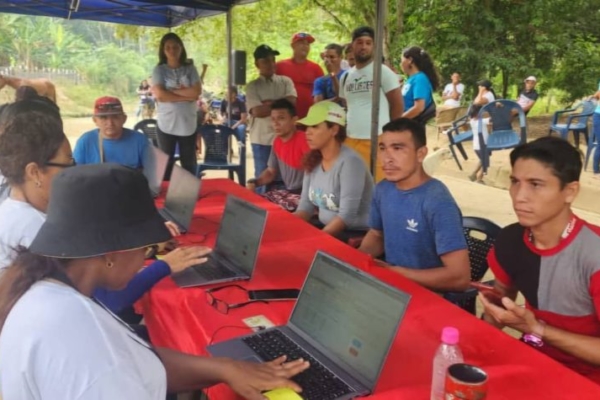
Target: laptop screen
<point x="240" y="233"/>
<point x="182" y="195"/>
<point x="155" y="164"/>
<point x="349" y="313"/>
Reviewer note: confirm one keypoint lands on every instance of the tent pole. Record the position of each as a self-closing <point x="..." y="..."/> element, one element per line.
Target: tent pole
<point x="377" y="57"/>
<point x="229" y="18"/>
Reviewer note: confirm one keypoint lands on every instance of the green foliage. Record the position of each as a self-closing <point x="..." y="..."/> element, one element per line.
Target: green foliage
<point x="503" y="40"/>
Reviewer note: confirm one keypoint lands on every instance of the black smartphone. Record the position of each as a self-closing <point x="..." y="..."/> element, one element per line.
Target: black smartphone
<point x="274" y="294"/>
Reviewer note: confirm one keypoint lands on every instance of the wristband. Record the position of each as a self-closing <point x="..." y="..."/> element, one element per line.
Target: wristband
<point x="535" y="338"/>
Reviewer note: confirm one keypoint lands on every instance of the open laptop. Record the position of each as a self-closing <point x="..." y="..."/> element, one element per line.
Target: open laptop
<point x="344" y="324"/>
<point x="155" y="165"/>
<point x="182" y="195"/>
<point x="234" y="256"/>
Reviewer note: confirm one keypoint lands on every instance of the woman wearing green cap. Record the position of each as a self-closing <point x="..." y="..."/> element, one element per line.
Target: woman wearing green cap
<point x="336" y="183"/>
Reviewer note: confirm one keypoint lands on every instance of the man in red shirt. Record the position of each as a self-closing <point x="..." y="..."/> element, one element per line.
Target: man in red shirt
<point x="301" y="71"/>
<point x="285" y="173"/>
<point x="551" y="257"/>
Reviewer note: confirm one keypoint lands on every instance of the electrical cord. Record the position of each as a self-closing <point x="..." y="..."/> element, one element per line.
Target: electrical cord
<point x="212" y="338"/>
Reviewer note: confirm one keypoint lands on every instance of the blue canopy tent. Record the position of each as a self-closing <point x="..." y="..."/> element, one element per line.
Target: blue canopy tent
<point x="157" y="13"/>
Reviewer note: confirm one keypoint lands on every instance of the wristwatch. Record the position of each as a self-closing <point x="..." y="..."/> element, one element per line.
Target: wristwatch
<point x="535" y="338"/>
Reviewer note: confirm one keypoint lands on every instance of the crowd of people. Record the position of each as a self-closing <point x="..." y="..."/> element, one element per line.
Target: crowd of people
<point x="74" y="226"/>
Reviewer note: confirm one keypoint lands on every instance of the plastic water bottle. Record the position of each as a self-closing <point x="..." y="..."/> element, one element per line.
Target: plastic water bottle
<point x="447" y="354"/>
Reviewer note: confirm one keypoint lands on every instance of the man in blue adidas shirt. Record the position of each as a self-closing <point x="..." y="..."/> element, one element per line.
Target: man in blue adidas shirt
<point x="414" y="220"/>
<point x="119" y="145"/>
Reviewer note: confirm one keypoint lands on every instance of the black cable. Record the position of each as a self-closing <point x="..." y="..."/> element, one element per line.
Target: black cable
<point x="260" y="328"/>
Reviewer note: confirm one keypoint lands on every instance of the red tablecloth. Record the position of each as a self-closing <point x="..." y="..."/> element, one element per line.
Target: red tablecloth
<point x="181" y="318"/>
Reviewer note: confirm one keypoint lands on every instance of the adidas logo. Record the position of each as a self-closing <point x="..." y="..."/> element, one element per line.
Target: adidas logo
<point x="412" y="225"/>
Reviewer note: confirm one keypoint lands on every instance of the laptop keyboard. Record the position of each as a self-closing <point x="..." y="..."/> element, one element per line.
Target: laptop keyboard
<point x="317" y="382"/>
<point x="213" y="272"/>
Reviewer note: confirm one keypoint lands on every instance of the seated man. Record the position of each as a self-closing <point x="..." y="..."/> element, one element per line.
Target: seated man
<point x="453" y="92"/>
<point x="528" y="96"/>
<point x="285" y="172"/>
<point x="551" y="257"/>
<point x="118" y="145"/>
<point x="239" y="117"/>
<point x="414" y="220"/>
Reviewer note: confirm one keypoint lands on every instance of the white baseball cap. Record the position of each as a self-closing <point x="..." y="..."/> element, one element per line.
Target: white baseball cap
<point x="530" y="78"/>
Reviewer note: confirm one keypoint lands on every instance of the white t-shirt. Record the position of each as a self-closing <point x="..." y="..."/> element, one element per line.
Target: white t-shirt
<point x="475" y="129"/>
<point x="19" y="224"/>
<point x="460" y="88"/>
<point x="57" y="344"/>
<point x="357" y="88"/>
<point x="489" y="96"/>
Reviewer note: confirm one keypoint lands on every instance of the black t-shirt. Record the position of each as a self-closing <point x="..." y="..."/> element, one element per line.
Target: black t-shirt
<point x="526" y="98"/>
<point x="238" y="108"/>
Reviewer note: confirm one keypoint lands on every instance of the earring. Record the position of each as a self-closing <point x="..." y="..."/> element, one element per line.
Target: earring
<point x="38" y="184"/>
<point x="110" y="264"/>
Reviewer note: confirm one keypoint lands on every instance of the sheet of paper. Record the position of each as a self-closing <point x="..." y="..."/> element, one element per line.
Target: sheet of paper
<point x="282" y="394"/>
<point x="258" y="320"/>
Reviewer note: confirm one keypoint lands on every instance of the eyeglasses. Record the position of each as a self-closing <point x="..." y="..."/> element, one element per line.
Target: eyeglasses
<point x="223" y="307"/>
<point x="60" y="165"/>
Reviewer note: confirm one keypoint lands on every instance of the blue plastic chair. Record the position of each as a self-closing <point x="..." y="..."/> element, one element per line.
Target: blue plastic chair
<point x="480" y="234"/>
<point x="576" y="122"/>
<point x="503" y="135"/>
<point x="148" y="127"/>
<point x="216" y="140"/>
<point x="456" y="136"/>
<point x="592" y="144"/>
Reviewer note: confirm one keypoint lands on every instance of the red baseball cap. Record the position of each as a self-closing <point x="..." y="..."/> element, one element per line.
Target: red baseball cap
<point x="107" y="106"/>
<point x="302" y="36"/>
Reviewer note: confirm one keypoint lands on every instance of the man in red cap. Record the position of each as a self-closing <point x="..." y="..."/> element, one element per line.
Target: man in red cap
<point x="301" y="71"/>
<point x="110" y="141"/>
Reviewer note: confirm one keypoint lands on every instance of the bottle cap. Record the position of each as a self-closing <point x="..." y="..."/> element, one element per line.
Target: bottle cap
<point x="450" y="335"/>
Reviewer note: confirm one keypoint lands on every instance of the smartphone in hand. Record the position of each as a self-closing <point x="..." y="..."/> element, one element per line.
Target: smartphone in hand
<point x="491" y="294"/>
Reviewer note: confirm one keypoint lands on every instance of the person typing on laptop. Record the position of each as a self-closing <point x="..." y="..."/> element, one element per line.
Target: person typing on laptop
<point x="110" y="141"/>
<point x="33" y="149"/>
<point x="49" y="318"/>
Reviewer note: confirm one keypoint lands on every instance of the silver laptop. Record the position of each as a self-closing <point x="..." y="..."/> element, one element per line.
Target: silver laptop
<point x="234" y="256"/>
<point x="344" y="324"/>
<point x="182" y="195"/>
<point x="155" y="165"/>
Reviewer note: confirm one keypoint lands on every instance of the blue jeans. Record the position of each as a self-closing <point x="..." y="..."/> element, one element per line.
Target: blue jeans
<point x="261" y="154"/>
<point x="240" y="130"/>
<point x="596" y="133"/>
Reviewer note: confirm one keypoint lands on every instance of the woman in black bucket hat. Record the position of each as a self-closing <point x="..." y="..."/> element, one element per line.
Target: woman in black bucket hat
<point x="33" y="149"/>
<point x="58" y="343"/>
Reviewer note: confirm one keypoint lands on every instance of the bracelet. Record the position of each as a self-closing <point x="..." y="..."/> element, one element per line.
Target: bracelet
<point x="252" y="181"/>
<point x="535" y="337"/>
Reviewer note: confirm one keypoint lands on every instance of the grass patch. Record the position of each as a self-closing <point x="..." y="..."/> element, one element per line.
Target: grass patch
<point x="78" y="100"/>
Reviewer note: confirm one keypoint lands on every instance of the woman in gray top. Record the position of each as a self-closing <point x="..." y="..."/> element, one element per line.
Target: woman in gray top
<point x="176" y="87"/>
<point x="336" y="182"/>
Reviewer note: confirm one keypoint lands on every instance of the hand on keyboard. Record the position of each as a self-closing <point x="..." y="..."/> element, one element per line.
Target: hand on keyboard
<point x="249" y="380"/>
<point x="185" y="257"/>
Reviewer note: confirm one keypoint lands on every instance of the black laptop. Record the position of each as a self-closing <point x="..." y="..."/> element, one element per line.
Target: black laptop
<point x="344" y="324"/>
<point x="234" y="256"/>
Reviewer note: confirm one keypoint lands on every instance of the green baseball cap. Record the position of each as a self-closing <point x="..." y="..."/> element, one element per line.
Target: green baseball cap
<point x="324" y="111"/>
